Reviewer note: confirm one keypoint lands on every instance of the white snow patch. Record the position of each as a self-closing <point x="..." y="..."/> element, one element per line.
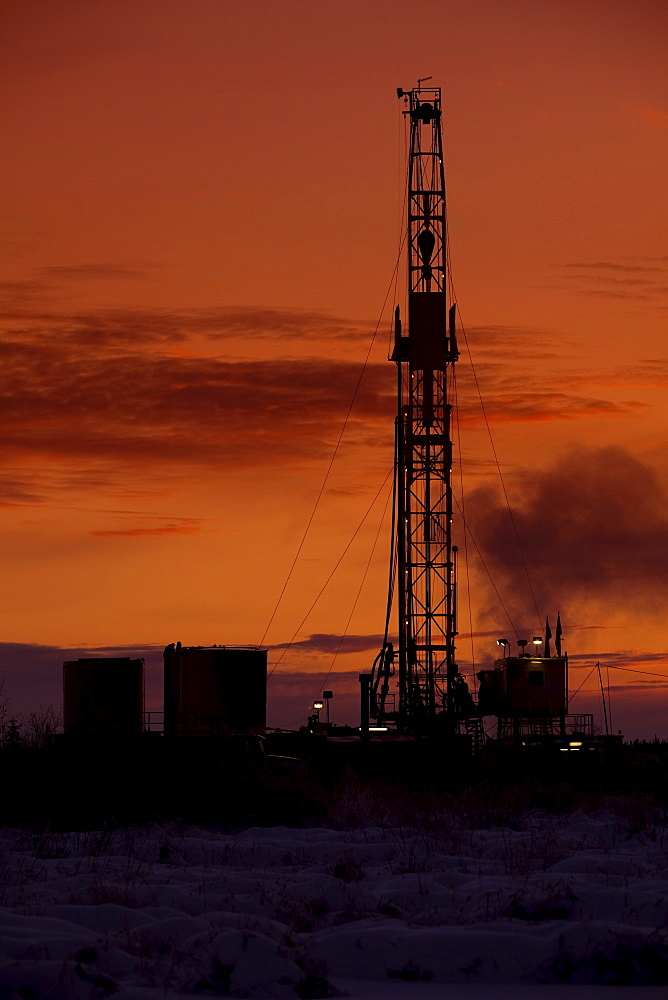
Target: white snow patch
<point x="571" y="904"/>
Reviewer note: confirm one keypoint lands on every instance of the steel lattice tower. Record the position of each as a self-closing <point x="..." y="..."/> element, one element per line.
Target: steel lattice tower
<point x="431" y="691"/>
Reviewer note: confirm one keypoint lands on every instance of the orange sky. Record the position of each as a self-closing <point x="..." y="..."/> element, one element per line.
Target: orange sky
<point x="200" y="222"/>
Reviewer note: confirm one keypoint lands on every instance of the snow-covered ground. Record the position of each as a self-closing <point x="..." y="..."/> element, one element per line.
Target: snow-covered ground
<point x="579" y="903"/>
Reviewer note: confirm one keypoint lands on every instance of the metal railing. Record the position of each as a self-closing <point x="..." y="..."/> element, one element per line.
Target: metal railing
<point x="535" y="726"/>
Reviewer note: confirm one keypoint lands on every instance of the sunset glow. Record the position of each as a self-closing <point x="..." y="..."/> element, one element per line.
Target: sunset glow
<point x="202" y="218"/>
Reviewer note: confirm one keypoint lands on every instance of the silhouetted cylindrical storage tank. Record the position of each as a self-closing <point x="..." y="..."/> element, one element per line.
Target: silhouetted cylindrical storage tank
<point x="103" y="696"/>
<point x="215" y="690"/>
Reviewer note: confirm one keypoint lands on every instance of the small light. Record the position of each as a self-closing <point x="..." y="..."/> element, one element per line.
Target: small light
<point x="378" y="729"/>
<point x="502" y="642"/>
<point x="575" y="743"/>
<point x="317" y="704"/>
<point x="537" y="639"/>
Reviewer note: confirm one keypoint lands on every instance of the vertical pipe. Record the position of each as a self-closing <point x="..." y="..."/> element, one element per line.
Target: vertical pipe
<point x="607" y="671"/>
<point x="365" y="696"/>
<point x="605" y="710"/>
<point x="402" y="603"/>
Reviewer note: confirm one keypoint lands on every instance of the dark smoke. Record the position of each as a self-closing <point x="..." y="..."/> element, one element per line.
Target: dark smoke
<point x="592" y="527"/>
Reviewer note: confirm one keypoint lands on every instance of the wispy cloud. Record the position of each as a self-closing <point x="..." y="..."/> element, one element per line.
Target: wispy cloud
<point x="20" y="297"/>
<point x="111" y="389"/>
<point x="24" y="302"/>
<point x="324" y="642"/>
<point x="637" y="279"/>
<point x="541" y="407"/>
<point x="179" y="526"/>
<point x="94" y="272"/>
<point x="612" y="265"/>
<point x="649" y="114"/>
<point x="622" y="659"/>
<point x="185" y="410"/>
<point x="17" y="491"/>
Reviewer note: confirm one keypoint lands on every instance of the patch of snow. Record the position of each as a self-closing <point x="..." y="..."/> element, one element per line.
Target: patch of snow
<point x="571" y="904"/>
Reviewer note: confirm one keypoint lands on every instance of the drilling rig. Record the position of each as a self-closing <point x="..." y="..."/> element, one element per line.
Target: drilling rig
<point x="430" y="696"/>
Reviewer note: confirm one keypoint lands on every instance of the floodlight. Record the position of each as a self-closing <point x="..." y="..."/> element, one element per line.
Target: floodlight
<point x="317" y="704"/>
<point x="537" y="639"/>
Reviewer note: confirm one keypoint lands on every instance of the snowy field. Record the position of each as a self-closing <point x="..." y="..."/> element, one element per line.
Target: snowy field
<point x="578" y="903"/>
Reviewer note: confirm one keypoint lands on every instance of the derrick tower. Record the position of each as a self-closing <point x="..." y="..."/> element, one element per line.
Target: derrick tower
<point x="431" y="692"/>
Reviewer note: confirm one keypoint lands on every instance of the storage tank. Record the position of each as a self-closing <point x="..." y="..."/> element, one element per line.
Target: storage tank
<point x="215" y="690"/>
<point x="103" y="696"/>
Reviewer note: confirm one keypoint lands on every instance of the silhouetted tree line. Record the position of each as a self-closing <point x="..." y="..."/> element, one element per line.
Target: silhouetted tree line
<point x="29" y="730"/>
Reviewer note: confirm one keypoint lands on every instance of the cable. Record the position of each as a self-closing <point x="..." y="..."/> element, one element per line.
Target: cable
<point x="489" y="432"/>
<point x="632" y="670"/>
<point x="491" y="579"/>
<point x="392" y="569"/>
<point x="402" y="175"/>
<point x="359" y="591"/>
<point x="583" y="683"/>
<point x="463" y="510"/>
<point x="607" y="674"/>
<point x="613" y="666"/>
<point x="334" y="453"/>
<point x="392" y="283"/>
<point x="333" y="571"/>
